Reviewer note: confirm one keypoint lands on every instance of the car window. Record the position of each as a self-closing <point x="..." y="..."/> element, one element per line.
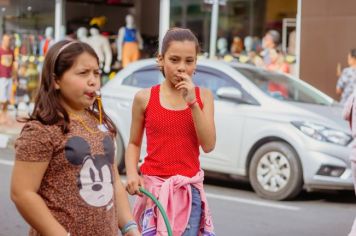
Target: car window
<point x="282" y="87"/>
<point x="144" y="78"/>
<point x="214" y="79"/>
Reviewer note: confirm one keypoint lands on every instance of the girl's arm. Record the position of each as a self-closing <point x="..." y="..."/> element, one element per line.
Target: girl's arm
<point x="132" y="155"/>
<point x="123" y="206"/>
<point x="204" y="121"/>
<point x="25" y="182"/>
<point x="340" y="84"/>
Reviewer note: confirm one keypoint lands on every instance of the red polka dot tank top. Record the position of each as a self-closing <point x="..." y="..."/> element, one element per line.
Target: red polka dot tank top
<point x="172" y="143"/>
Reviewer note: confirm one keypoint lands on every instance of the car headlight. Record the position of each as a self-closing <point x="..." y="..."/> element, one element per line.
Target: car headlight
<point x="323" y="133"/>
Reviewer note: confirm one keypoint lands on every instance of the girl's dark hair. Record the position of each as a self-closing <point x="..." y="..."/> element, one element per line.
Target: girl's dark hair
<point x="178" y="34"/>
<point x="353" y="53"/>
<point x="60" y="58"/>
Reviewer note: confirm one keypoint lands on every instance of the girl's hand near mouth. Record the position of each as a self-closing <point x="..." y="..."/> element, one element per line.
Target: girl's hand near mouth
<point x="187" y="87"/>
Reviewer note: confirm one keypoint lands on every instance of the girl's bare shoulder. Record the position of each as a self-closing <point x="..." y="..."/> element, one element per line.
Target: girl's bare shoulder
<point x="143" y="94"/>
<point x="142" y="97"/>
<point x="206" y="93"/>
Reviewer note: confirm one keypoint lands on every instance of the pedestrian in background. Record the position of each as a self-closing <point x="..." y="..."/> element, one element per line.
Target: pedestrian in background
<point x="178" y="118"/>
<point x="65" y="180"/>
<point x="346" y="83"/>
<point x="269" y="42"/>
<point x="7" y="67"/>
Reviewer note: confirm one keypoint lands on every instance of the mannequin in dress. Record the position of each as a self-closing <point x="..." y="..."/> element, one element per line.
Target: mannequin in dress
<point x="129" y="42"/>
<point x="48" y="41"/>
<point x="82" y="34"/>
<point x="102" y="48"/>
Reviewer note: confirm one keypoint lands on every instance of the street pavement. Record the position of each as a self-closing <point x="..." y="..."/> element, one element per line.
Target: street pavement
<point x="10" y="130"/>
<point x="236" y="209"/>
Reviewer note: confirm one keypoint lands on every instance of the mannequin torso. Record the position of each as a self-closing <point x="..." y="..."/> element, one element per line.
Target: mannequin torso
<point x="102" y="48"/>
<point x="82" y="34"/>
<point x="48" y="41"/>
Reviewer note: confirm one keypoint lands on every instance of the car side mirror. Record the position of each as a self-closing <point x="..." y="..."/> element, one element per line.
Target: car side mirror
<point x="230" y="93"/>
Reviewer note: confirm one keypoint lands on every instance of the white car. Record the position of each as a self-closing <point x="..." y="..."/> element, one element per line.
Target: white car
<point x="277" y="131"/>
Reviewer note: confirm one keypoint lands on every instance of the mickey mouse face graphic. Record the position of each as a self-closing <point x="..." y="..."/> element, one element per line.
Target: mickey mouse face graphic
<point x="95" y="179"/>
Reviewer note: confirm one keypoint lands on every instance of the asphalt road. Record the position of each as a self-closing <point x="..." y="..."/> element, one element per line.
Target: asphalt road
<point x="236" y="210"/>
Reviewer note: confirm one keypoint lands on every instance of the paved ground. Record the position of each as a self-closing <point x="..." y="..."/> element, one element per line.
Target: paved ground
<point x="235" y="207"/>
<point x="10" y="129"/>
<point x="236" y="210"/>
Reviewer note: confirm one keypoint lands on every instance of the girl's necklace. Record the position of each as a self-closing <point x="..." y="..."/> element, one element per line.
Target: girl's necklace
<point x="82" y="122"/>
<point x="101" y="126"/>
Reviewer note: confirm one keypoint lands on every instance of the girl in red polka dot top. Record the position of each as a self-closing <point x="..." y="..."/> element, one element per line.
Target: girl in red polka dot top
<point x="178" y="119"/>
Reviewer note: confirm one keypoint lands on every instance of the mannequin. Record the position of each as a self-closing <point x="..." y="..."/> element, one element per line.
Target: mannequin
<point x="102" y="48"/>
<point x="248" y="55"/>
<point x="236" y="46"/>
<point x="129" y="42"/>
<point x="82" y="34"/>
<point x="221" y="45"/>
<point x="248" y="43"/>
<point x="48" y="41"/>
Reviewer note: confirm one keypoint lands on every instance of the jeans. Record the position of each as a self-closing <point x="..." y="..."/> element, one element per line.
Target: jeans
<point x="195" y="215"/>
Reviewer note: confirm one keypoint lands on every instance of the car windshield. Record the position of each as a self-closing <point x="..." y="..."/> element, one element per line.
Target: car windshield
<point x="282" y="87"/>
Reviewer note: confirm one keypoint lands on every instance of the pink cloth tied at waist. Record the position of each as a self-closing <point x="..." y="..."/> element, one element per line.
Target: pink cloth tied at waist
<point x="174" y="194"/>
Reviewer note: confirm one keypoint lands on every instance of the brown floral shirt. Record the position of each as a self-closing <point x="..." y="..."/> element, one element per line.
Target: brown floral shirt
<point x="78" y="185"/>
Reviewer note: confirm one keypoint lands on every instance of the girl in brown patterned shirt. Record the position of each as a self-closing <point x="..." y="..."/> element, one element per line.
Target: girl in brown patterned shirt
<point x="65" y="180"/>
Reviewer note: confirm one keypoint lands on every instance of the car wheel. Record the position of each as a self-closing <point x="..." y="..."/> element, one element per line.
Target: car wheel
<point x="120" y="154"/>
<point x="275" y="171"/>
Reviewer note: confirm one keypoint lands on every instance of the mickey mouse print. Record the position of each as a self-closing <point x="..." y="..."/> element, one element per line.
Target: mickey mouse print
<point x="95" y="178"/>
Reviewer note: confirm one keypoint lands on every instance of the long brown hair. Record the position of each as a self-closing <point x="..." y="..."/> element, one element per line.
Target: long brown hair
<point x="60" y="58"/>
